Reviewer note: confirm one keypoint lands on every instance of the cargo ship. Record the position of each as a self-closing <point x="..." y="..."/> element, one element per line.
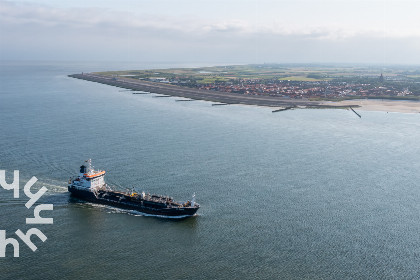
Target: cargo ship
<point x="90" y="186"/>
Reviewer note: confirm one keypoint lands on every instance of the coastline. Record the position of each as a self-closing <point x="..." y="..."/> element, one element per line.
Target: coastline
<point x="381" y="105"/>
<point x="224" y="98"/>
<point x="207" y="95"/>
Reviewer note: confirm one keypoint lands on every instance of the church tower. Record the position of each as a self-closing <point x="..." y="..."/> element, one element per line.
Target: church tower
<point x="381" y="78"/>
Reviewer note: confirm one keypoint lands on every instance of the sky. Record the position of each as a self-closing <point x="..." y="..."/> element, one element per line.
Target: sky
<point x="229" y="31"/>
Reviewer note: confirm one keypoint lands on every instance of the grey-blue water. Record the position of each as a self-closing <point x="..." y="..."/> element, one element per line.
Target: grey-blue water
<point x="303" y="194"/>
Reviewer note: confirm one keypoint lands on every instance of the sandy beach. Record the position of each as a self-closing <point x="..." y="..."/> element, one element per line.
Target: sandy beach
<point x="381" y="105"/>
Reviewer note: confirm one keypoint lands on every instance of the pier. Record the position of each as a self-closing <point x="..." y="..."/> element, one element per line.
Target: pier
<point x="283" y="109"/>
<point x="355" y="112"/>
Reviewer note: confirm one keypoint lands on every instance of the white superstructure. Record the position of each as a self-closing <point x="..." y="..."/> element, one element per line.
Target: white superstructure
<point x="89" y="179"/>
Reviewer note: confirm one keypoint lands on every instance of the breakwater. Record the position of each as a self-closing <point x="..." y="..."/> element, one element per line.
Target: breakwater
<point x="355" y="112"/>
<point x="197" y="94"/>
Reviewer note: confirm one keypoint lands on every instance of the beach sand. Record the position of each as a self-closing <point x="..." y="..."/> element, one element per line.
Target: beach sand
<point x="381" y="105"/>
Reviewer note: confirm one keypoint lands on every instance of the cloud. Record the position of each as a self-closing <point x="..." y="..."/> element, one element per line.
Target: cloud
<point x="13" y="13"/>
<point x="43" y="32"/>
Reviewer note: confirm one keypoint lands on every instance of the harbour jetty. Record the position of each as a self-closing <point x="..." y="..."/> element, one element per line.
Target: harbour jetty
<point x="283" y="109"/>
<point x="199" y="94"/>
<point x="355" y="112"/>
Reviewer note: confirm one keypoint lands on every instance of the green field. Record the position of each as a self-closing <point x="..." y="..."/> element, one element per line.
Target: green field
<point x="302" y="78"/>
<point x="267" y="72"/>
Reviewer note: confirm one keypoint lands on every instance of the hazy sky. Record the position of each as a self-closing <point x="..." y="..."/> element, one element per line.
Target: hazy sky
<point x="229" y="31"/>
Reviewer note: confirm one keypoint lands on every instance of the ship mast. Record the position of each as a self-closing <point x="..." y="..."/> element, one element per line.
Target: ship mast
<point x="193" y="200"/>
<point x="89" y="167"/>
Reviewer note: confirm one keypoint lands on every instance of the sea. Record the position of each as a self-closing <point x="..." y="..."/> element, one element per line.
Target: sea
<point x="298" y="194"/>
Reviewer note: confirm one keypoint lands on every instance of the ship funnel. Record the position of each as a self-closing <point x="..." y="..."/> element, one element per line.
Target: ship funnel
<point x="82" y="170"/>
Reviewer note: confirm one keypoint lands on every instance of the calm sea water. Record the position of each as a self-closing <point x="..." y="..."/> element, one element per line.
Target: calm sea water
<point x="303" y="194"/>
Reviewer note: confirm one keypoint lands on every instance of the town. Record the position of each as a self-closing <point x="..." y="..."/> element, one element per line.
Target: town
<point x="291" y="81"/>
<point x="308" y="89"/>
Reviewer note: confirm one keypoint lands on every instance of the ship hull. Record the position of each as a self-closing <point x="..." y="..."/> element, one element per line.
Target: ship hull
<point x="117" y="200"/>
